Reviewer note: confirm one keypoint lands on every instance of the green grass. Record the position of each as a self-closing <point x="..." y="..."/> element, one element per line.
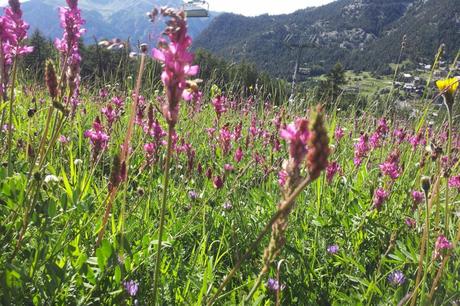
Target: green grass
<point x="58" y="262"/>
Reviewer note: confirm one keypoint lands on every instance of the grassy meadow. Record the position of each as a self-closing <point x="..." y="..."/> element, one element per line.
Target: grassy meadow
<point x="113" y="195"/>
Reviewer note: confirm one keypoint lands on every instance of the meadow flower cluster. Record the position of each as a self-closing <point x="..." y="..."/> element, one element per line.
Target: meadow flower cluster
<point x="187" y="193"/>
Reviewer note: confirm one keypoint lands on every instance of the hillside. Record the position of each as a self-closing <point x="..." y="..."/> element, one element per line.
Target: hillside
<point x="106" y="18"/>
<point x="345" y="30"/>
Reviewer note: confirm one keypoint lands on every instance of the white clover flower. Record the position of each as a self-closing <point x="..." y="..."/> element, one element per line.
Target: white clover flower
<point x="77" y="162"/>
<point x="51" y="178"/>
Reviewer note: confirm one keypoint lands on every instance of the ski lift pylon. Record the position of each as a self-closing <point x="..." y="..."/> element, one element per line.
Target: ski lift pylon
<point x="196" y="9"/>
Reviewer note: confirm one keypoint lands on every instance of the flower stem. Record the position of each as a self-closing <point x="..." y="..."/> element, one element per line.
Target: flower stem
<point x="422" y="252"/>
<point x="449" y="148"/>
<point x="436" y="280"/>
<point x="284" y="207"/>
<point x="10" y="120"/>
<point x="156" y="279"/>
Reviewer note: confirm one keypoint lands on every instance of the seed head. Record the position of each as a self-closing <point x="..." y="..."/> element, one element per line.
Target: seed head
<point x="426" y="184"/>
<point x="51" y="79"/>
<point x="144" y="48"/>
<point x="318" y="146"/>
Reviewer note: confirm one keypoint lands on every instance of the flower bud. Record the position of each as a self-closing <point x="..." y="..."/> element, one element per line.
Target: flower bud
<point x="318" y="146"/>
<point x="426" y="184"/>
<point x="144" y="48"/>
<point x="51" y="79"/>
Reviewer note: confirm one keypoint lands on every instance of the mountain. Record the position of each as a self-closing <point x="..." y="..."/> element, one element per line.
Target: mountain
<point x="362" y="34"/>
<point x="107" y="18"/>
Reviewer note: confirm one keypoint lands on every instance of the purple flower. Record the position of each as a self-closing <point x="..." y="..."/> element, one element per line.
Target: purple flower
<point x="417" y="140"/>
<point x="410" y="222"/>
<point x="361" y="149"/>
<point x="110" y="114"/>
<point x="98" y="138"/>
<point x="150" y="149"/>
<point x="338" y="134"/>
<point x="454" y="182"/>
<point x="417" y="198"/>
<point x="131" y="287"/>
<point x="333" y="249"/>
<point x="331" y="170"/>
<point x="62" y="139"/>
<point x="176" y="60"/>
<point x="400" y="135"/>
<point x="225" y="138"/>
<point x="396" y="278"/>
<point x="282" y="177"/>
<point x="13" y="30"/>
<point x="391" y="166"/>
<point x="68" y="45"/>
<point x="219" y="105"/>
<point x="382" y="127"/>
<point x="375" y="140"/>
<point x="228" y="167"/>
<point x="192" y="195"/>
<point x="227" y="206"/>
<point x="297" y="135"/>
<point x="441" y="245"/>
<point x="274" y="285"/>
<point x="238" y="154"/>
<point x="380" y="196"/>
<point x="218" y="182"/>
<point x="118" y="101"/>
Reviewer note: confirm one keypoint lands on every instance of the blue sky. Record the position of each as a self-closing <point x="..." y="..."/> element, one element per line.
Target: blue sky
<point x="257" y="7"/>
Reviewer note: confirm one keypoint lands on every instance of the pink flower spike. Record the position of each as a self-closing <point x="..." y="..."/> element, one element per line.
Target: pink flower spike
<point x="338" y="134"/>
<point x="380" y="196"/>
<point x="238" y="155"/>
<point x="454" y="182"/>
<point x="331" y="170"/>
<point x="297" y="135"/>
<point x="441" y="245"/>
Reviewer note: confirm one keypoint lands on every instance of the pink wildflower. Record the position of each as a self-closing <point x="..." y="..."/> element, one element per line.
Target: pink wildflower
<point x="228" y="168"/>
<point x="118" y="102"/>
<point x="13" y="31"/>
<point x="219" y="105"/>
<point x="62" y="139"/>
<point x="441" y="245"/>
<point x="411" y="223"/>
<point x="217" y="182"/>
<point x="391" y="166"/>
<point x="375" y="140"/>
<point x="68" y="46"/>
<point x="331" y="170"/>
<point x="417" y="197"/>
<point x="417" y="140"/>
<point x="380" y="196"/>
<point x="454" y="182"/>
<point x="110" y="114"/>
<point x="237" y="132"/>
<point x="225" y="139"/>
<point x="297" y="135"/>
<point x="238" y="154"/>
<point x="382" y="127"/>
<point x="176" y="62"/>
<point x="98" y="138"/>
<point x="150" y="149"/>
<point x="400" y="135"/>
<point x="282" y="177"/>
<point x="361" y="149"/>
<point x="338" y="134"/>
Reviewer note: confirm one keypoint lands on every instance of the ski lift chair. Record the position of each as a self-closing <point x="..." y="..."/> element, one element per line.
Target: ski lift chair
<point x="196" y="9"/>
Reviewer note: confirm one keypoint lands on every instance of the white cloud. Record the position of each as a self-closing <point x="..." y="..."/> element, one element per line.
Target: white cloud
<point x="253" y="7"/>
<point x="5" y="2"/>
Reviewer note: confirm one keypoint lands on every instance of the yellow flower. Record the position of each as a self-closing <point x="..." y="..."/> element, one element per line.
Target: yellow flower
<point x="450" y="84"/>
